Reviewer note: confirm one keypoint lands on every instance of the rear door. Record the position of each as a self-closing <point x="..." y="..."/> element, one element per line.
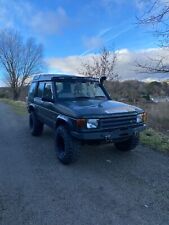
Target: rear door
<point x="38" y="100"/>
<point x="49" y="107"/>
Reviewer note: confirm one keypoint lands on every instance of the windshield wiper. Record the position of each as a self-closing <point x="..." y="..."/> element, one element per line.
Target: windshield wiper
<point x="100" y="97"/>
<point x="86" y="97"/>
<point x="83" y="97"/>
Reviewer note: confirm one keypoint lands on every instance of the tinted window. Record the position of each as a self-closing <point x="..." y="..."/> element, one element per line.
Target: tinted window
<point x="40" y="89"/>
<point x="48" y="91"/>
<point x="32" y="90"/>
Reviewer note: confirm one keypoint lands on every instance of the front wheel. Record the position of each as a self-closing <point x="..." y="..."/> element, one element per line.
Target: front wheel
<point x="36" y="126"/>
<point x="129" y="144"/>
<point x="67" y="148"/>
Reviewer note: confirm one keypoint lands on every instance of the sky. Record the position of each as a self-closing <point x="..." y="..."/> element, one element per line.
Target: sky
<point x="74" y="30"/>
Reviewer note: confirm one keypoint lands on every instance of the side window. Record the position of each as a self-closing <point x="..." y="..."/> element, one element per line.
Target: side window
<point x="40" y="89"/>
<point x="32" y="90"/>
<point x="48" y="90"/>
<point x="59" y="87"/>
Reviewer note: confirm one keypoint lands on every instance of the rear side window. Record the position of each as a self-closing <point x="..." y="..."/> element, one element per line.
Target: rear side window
<point x="32" y="90"/>
<point x="48" y="90"/>
<point x="40" y="89"/>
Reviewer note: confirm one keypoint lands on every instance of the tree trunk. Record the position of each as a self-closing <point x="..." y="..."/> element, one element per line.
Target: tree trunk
<point x="15" y="94"/>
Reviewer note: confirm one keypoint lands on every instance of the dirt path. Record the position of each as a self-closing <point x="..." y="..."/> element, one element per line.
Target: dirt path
<point x="104" y="187"/>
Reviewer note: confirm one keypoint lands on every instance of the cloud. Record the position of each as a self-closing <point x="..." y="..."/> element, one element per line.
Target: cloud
<point x="105" y="31"/>
<point x="49" y="22"/>
<point x="118" y="34"/>
<point x="109" y="4"/>
<point x="25" y="14"/>
<point x="92" y="43"/>
<point x="97" y="41"/>
<point x="141" y="4"/>
<point x="125" y="67"/>
<point x="2" y="84"/>
<point x="69" y="64"/>
<point x="105" y="37"/>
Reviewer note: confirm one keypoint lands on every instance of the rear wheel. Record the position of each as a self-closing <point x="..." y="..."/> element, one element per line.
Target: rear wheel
<point x="36" y="126"/>
<point x="67" y="148"/>
<point x="129" y="144"/>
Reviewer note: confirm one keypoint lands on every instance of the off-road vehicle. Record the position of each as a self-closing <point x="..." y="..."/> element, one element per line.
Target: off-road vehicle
<point x="80" y="110"/>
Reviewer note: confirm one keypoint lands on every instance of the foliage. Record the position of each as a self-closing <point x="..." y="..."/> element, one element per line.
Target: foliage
<point x="136" y="91"/>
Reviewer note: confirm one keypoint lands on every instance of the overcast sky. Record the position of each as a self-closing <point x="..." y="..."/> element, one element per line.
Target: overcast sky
<point x="72" y="30"/>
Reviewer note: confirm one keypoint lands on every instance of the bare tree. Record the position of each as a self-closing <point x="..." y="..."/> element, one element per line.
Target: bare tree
<point x="102" y="64"/>
<point x="19" y="59"/>
<point x="157" y="17"/>
<point x="152" y="65"/>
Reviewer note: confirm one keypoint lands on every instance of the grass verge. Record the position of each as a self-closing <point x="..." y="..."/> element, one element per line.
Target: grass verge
<point x="18" y="106"/>
<point x="155" y="140"/>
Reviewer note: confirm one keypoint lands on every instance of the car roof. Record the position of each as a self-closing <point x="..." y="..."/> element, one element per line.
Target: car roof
<point x="49" y="77"/>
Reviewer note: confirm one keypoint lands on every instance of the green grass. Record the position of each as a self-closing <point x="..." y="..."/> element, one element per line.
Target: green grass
<point x="155" y="140"/>
<point x="18" y="106"/>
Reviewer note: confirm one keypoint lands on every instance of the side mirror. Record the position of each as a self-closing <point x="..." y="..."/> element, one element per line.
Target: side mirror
<point x="47" y="99"/>
<point x="102" y="79"/>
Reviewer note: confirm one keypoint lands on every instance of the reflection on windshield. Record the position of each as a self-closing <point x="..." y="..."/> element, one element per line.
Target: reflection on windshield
<point x="79" y="90"/>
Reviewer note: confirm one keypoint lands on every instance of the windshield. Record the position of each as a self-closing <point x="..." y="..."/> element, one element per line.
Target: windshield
<point x="74" y="89"/>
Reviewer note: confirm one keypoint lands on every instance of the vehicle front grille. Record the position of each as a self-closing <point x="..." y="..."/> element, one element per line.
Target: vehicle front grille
<point x="118" y="121"/>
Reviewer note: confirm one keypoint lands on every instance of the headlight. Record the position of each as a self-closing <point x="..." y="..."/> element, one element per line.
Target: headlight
<point x="142" y="117"/>
<point x="92" y="123"/>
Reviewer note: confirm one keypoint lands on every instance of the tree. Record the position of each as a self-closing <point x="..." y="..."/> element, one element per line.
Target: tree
<point x="102" y="64"/>
<point x="157" y="17"/>
<point x="19" y="59"/>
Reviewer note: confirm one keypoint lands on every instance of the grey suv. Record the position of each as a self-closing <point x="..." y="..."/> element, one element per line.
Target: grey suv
<point x="80" y="110"/>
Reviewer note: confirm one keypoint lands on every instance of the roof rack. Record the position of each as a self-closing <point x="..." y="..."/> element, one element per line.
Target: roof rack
<point x="48" y="77"/>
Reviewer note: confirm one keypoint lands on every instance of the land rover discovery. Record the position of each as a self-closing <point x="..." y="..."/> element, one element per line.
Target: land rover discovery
<point x="80" y="110"/>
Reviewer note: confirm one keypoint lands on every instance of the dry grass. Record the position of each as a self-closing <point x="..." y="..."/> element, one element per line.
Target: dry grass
<point x="158" y="116"/>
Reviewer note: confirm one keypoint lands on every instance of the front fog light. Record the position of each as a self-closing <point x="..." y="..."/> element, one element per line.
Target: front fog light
<point x="92" y="123"/>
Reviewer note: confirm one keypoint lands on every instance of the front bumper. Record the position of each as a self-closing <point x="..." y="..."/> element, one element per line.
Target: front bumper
<point x="108" y="136"/>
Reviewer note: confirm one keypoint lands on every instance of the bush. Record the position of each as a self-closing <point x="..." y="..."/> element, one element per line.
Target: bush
<point x="4" y="95"/>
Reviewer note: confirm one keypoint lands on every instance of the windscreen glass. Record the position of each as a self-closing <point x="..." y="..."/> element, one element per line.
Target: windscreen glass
<point x="72" y="89"/>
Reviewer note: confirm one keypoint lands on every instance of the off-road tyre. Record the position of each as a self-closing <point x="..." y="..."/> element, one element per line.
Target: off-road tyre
<point x="35" y="126"/>
<point x="129" y="144"/>
<point x="67" y="148"/>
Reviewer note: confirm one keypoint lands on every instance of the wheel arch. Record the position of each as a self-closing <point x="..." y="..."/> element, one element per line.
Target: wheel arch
<point x="31" y="108"/>
<point x="64" y="121"/>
